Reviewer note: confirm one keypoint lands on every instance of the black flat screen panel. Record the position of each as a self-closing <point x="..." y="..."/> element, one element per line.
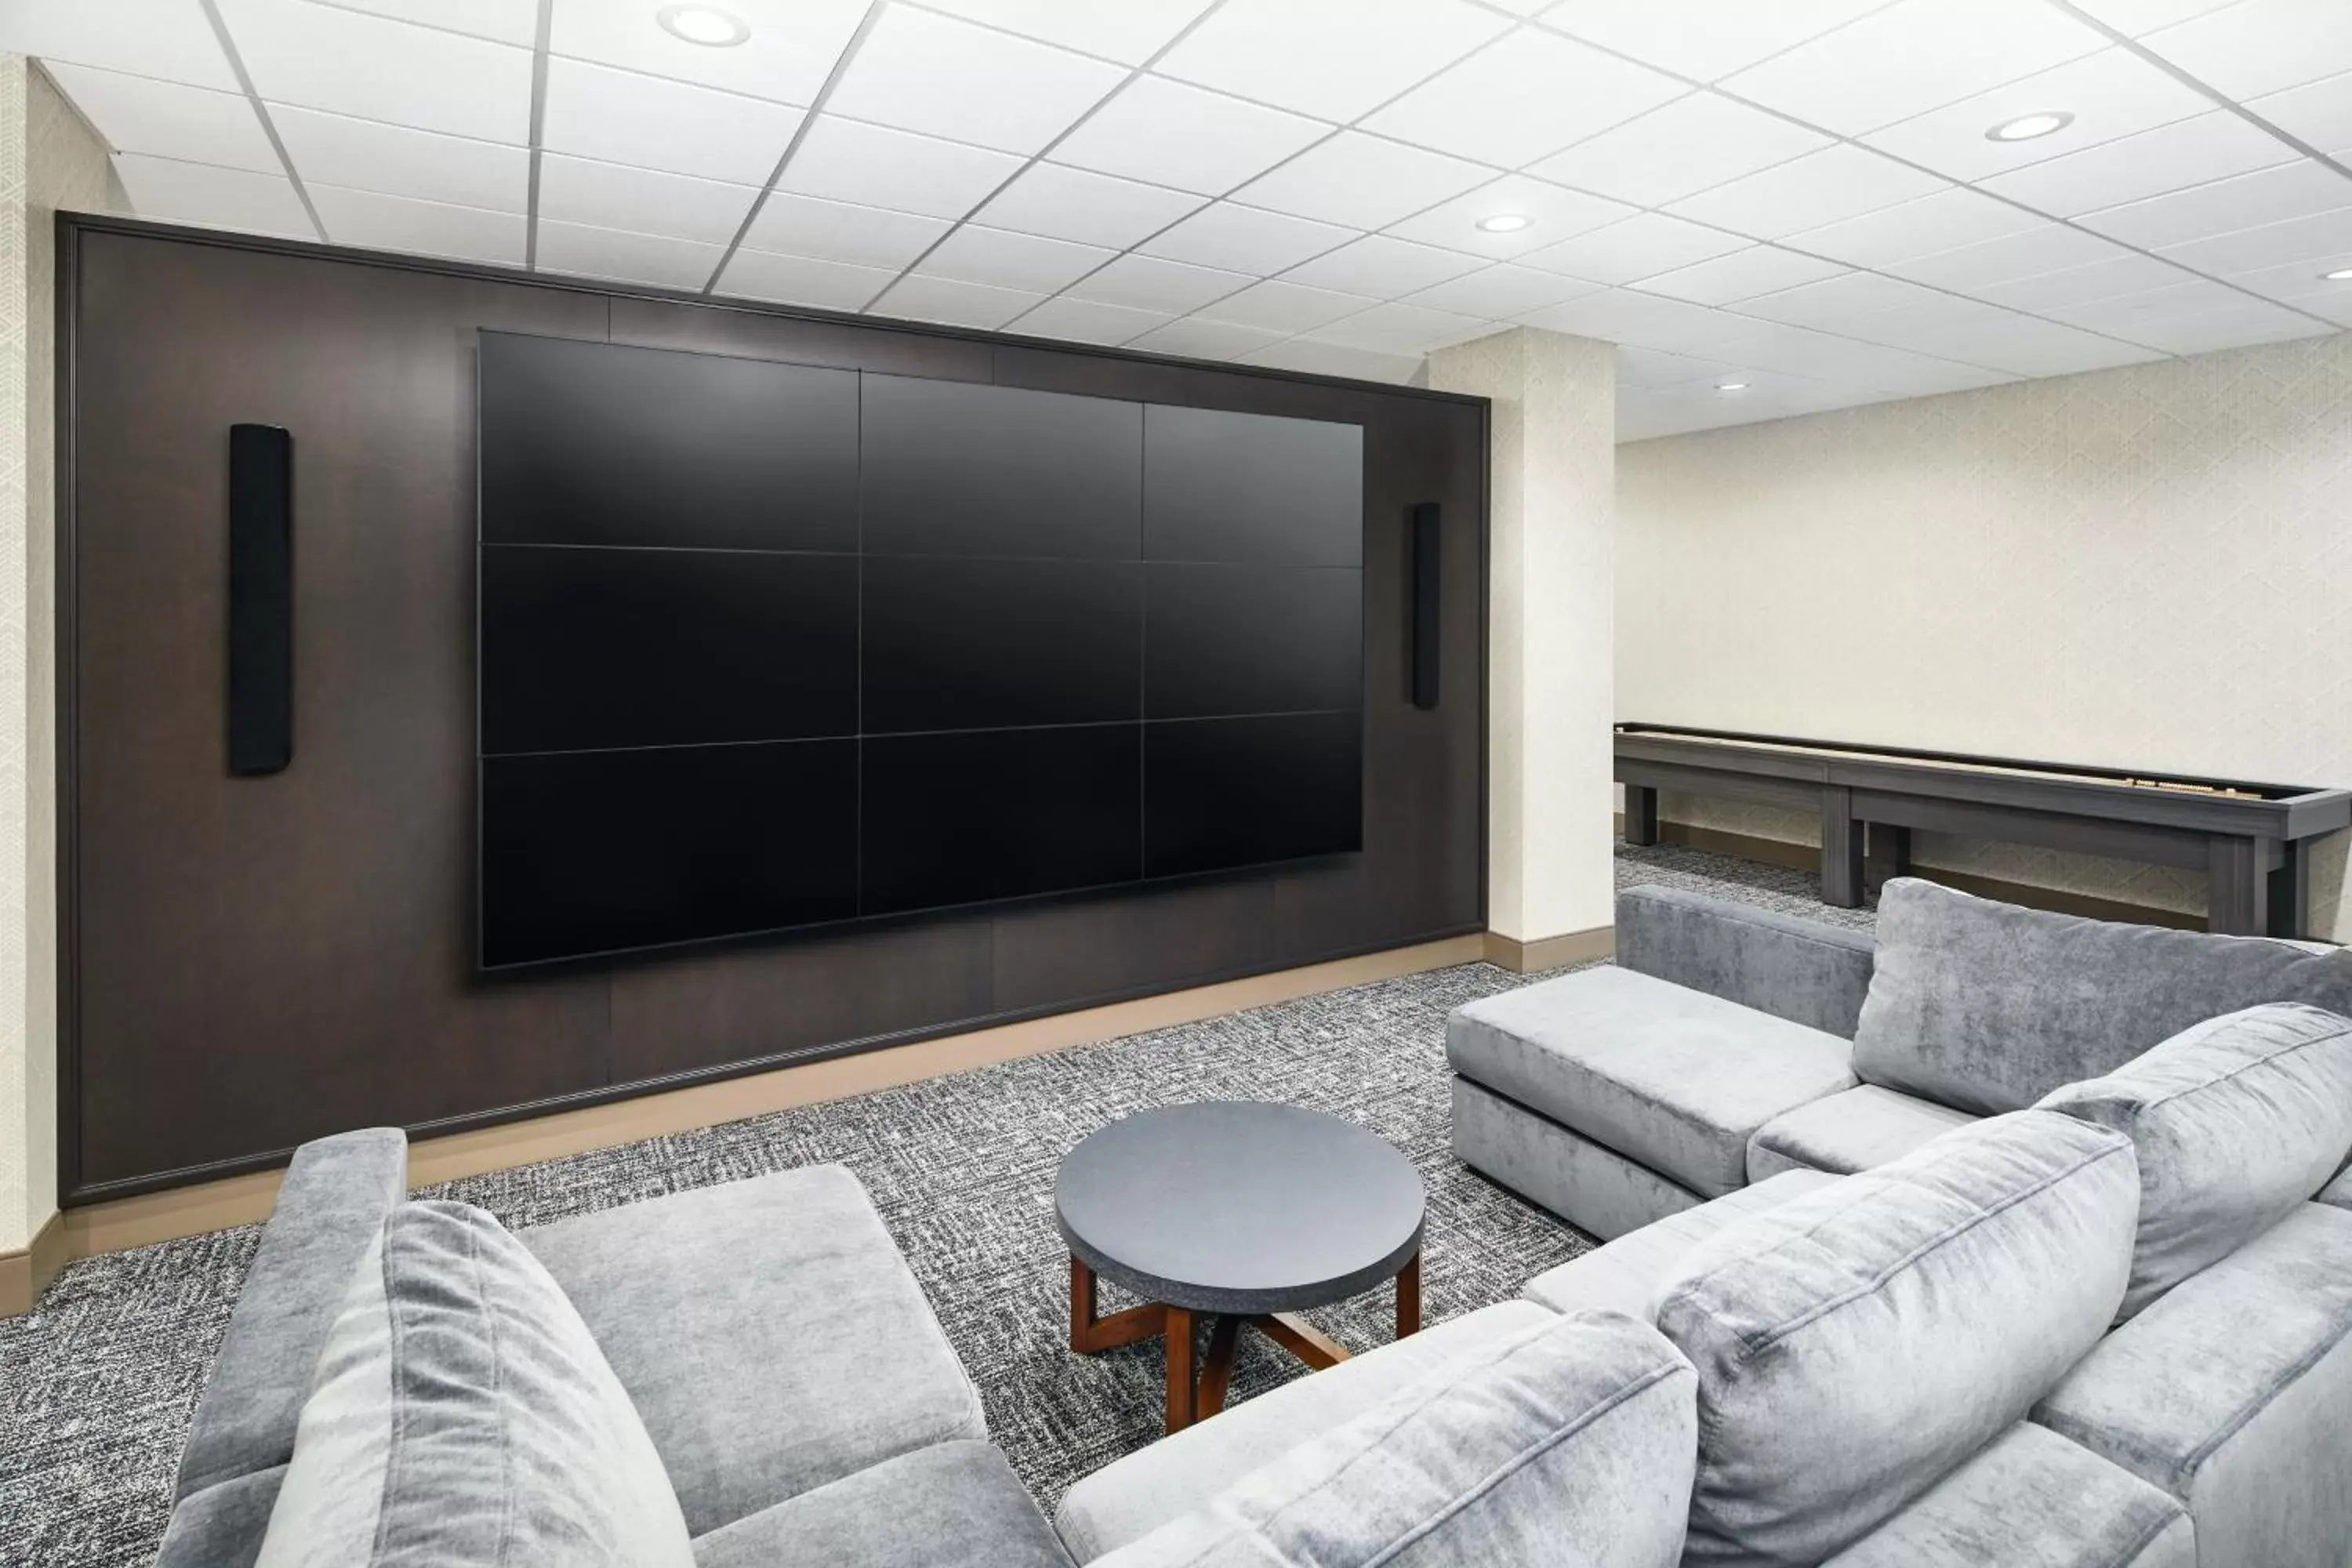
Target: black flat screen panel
<point x="1250" y="486"/>
<point x="1242" y="792"/>
<point x="589" y="648"/>
<point x="997" y="814"/>
<point x="1254" y="640"/>
<point x="605" y="851"/>
<point x="600" y="444"/>
<point x="957" y="643"/>
<point x="958" y="469"/>
<point x="260" y="598"/>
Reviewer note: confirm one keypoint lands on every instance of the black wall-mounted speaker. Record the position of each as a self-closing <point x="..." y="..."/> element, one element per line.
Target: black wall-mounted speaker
<point x="260" y="598"/>
<point x="1426" y="552"/>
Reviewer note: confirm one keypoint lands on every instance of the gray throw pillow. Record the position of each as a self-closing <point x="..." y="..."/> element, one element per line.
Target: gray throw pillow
<point x="1859" y="1342"/>
<point x="462" y="1414"/>
<point x="1988" y="1006"/>
<point x="2236" y="1120"/>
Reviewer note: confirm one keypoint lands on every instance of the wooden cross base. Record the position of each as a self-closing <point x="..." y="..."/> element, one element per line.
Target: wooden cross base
<point x="1195" y="1396"/>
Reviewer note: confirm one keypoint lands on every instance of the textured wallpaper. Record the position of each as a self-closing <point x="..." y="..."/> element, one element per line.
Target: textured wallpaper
<point x="2149" y="567"/>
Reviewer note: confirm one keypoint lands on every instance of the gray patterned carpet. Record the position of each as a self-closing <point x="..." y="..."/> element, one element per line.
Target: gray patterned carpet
<point x="96" y="1386"/>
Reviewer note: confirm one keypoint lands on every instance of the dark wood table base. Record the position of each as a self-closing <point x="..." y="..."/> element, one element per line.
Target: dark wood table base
<point x="1196" y="1394"/>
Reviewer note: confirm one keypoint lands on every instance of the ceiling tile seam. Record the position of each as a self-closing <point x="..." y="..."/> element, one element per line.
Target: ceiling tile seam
<point x="261" y="112"/>
<point x="800" y="134"/>
<point x="370" y="13"/>
<point x="541" y="29"/>
<point x="1005" y="32"/>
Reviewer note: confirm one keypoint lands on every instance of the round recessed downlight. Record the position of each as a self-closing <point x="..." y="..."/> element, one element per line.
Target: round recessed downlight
<point x="1504" y="223"/>
<point x="705" y="25"/>
<point x="2341" y="275"/>
<point x="2026" y="127"/>
<point x="1731" y="387"/>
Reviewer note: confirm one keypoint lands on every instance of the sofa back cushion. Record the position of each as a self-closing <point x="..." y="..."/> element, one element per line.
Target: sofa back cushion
<point x="463" y="1416"/>
<point x="1987" y="1006"/>
<point x="1859" y="1342"/>
<point x="1565" y="1443"/>
<point x="2235" y="1120"/>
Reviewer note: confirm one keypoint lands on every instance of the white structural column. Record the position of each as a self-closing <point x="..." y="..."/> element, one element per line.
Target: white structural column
<point x="1551" y="634"/>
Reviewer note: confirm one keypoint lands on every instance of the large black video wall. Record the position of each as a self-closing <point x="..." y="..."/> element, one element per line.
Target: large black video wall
<point x="766" y="646"/>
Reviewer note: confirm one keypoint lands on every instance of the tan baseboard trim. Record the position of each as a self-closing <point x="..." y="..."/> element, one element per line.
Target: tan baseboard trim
<point x="25" y="1275"/>
<point x="242" y="1200"/>
<point x="1550" y="951"/>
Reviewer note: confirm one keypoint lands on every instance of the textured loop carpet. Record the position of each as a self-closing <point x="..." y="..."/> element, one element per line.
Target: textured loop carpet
<point x="96" y="1386"/>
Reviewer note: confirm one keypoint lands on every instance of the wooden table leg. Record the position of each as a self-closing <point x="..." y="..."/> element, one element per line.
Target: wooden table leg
<point x="1179" y="1368"/>
<point x="1217" y="1368"/>
<point x="1089" y="1333"/>
<point x="1407" y="1292"/>
<point x="1302" y="1339"/>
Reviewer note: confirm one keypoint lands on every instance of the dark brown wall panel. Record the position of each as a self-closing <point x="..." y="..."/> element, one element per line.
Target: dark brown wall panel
<point x="252" y="961"/>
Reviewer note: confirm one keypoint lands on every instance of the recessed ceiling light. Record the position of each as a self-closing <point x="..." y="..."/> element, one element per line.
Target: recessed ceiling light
<point x="2026" y="127"/>
<point x="706" y="25"/>
<point x="1731" y="387"/>
<point x="2341" y="275"/>
<point x="1504" y="222"/>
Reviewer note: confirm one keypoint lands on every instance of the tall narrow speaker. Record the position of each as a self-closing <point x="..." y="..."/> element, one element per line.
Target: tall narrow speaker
<point x="1427" y="539"/>
<point x="260" y="598"/>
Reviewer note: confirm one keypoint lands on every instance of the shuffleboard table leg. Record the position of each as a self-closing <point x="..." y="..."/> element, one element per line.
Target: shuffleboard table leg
<point x="1640" y="815"/>
<point x="1841" y="849"/>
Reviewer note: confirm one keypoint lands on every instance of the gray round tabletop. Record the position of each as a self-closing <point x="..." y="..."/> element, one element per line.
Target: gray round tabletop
<point x="1239" y="1206"/>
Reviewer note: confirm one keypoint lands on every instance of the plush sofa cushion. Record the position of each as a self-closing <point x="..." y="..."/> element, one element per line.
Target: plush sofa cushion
<point x="2033" y="1500"/>
<point x="221" y="1526"/>
<point x="1131" y="1497"/>
<point x="1624" y="1274"/>
<point x="1796" y="969"/>
<point x="769" y="1332"/>
<point x="1568" y="1444"/>
<point x="1859" y="1342"/>
<point x="2236" y="1120"/>
<point x="2338" y="1193"/>
<point x="1673" y="1078"/>
<point x="1987" y="1006"/>
<point x="1848" y="1133"/>
<point x="1597" y="1190"/>
<point x="2234" y="1392"/>
<point x="952" y="1505"/>
<point x="464" y="1416"/>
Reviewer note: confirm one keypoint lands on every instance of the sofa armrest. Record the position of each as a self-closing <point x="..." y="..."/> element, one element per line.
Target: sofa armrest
<point x="1800" y="970"/>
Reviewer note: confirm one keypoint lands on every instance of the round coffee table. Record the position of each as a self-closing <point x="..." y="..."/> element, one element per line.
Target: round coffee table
<point x="1242" y="1211"/>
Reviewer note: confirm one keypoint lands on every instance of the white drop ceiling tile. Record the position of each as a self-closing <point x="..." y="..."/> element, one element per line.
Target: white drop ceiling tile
<point x="840" y="232"/>
<point x="658" y="260"/>
<point x="1335" y="59"/>
<point x="1740" y="275"/>
<point x="224" y="198"/>
<point x="365" y="154"/>
<point x="2234" y="321"/>
<point x="1696" y="142"/>
<point x="1077" y="204"/>
<point x="1555" y="213"/>
<point x="1655" y="367"/>
<point x="650" y="122"/>
<point x="2054" y="293"/>
<point x="802" y="280"/>
<point x="2320" y="237"/>
<point x="2261" y="47"/>
<point x="2318" y="112"/>
<point x="2112" y="94"/>
<point x="1912" y="57"/>
<point x="1526" y="94"/>
<point x="2170" y="158"/>
<point x="350" y="63"/>
<point x="1195" y="337"/>
<point x="2302" y="285"/>
<point x="1362" y="182"/>
<point x="502" y="21"/>
<point x="1131" y="31"/>
<point x="848" y="161"/>
<point x="2124" y="313"/>
<point x="956" y="304"/>
<point x="2024" y="346"/>
<point x="170" y="41"/>
<point x="374" y="221"/>
<point x="1286" y="307"/>
<point x="1008" y="261"/>
<point x="1839" y="182"/>
<point x="1337" y="359"/>
<point x="1706" y="39"/>
<point x="1835" y="301"/>
<point x="1641" y="247"/>
<point x="2300" y="189"/>
<point x="1501" y="292"/>
<point x="1925" y="376"/>
<point x="171" y="120"/>
<point x="1246" y="240"/>
<point x="1149" y="283"/>
<point x="791" y="48"/>
<point x="1800" y="351"/>
<point x="612" y="196"/>
<point x="2053" y="248"/>
<point x="1088" y="322"/>
<point x="1381" y="268"/>
<point x="1628" y="316"/>
<point x="1400" y="328"/>
<point x="1166" y="133"/>
<point x="919" y="72"/>
<point x="2134" y="18"/>
<point x="1945" y="221"/>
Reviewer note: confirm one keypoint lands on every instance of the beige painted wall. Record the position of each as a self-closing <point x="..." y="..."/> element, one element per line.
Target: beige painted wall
<point x="2149" y="567"/>
<point x="49" y="159"/>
